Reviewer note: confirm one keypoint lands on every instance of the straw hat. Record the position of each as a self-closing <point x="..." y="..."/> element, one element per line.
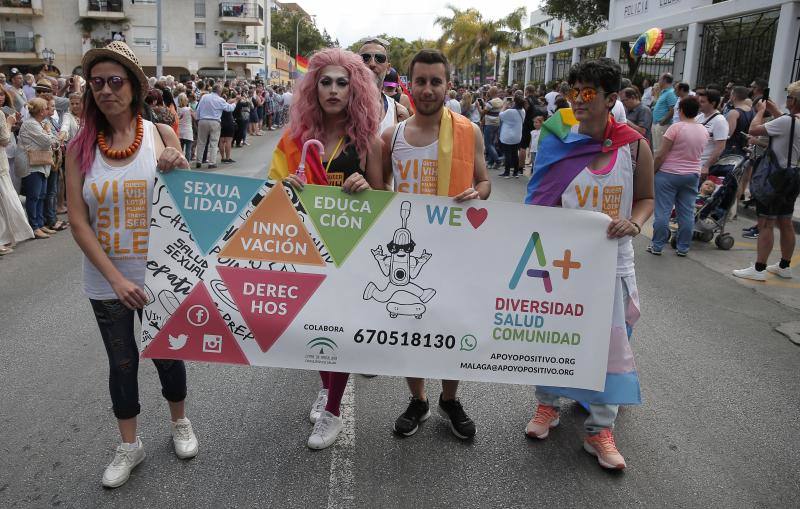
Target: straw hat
<point x="44" y="85"/>
<point x="119" y="52"/>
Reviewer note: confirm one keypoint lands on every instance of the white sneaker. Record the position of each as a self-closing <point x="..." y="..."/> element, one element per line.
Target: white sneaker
<point x="125" y="460"/>
<point x="778" y="271"/>
<point x="183" y="439"/>
<point x="751" y="273"/>
<point x="319" y="405"/>
<point x="326" y="429"/>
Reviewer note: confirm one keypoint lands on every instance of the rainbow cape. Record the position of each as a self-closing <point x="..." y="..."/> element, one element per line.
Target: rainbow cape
<point x="563" y="154"/>
<point x="286" y="159"/>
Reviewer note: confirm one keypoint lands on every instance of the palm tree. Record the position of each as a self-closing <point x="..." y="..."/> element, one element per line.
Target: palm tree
<point x="466" y="33"/>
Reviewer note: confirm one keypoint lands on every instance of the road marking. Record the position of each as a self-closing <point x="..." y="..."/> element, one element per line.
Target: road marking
<point x="342" y="480"/>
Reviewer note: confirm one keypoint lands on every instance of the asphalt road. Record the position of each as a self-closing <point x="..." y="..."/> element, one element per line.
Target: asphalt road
<point x="718" y="427"/>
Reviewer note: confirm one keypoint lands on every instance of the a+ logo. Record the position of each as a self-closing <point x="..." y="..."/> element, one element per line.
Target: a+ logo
<point x="566" y="265"/>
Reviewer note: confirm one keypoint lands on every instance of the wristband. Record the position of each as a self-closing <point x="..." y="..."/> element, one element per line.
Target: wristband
<point x="638" y="228"/>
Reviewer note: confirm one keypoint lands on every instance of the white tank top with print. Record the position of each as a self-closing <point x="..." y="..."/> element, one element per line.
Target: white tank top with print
<point x="415" y="169"/>
<point x="390" y="118"/>
<point x="119" y="201"/>
<point x="610" y="191"/>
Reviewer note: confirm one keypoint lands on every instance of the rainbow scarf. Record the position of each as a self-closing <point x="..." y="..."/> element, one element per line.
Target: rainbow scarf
<point x="456" y="154"/>
<point x="286" y="159"/>
<point x="563" y="154"/>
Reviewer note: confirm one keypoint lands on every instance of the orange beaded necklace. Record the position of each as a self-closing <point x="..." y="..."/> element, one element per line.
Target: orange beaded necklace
<point x="122" y="154"/>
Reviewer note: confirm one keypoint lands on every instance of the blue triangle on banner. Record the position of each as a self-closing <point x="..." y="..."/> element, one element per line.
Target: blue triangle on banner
<point x="209" y="202"/>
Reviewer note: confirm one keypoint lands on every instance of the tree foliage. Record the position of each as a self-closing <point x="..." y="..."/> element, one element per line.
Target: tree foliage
<point x="587" y="16"/>
<point x="284" y="31"/>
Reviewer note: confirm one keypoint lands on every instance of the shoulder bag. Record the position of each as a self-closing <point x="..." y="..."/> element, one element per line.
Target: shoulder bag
<point x="771" y="182"/>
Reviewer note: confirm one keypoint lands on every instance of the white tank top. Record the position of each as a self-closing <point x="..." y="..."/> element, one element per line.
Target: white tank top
<point x="390" y="118"/>
<point x="119" y="201"/>
<point x="610" y="191"/>
<point x="415" y="169"/>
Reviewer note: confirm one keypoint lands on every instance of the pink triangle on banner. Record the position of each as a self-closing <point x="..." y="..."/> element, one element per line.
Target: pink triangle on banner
<point x="196" y="332"/>
<point x="269" y="300"/>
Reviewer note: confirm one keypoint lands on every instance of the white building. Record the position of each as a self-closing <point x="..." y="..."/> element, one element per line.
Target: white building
<point x="707" y="41"/>
<point x="193" y="34"/>
<point x="557" y="30"/>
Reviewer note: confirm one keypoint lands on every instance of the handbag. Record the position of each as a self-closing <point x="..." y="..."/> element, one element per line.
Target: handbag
<point x="772" y="182"/>
<point x="40" y="157"/>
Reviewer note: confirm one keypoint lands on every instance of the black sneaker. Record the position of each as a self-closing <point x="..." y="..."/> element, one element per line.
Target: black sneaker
<point x="460" y="424"/>
<point x="408" y="423"/>
<point x="752" y="233"/>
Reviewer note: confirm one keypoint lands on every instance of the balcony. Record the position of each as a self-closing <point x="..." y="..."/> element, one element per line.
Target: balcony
<point x="241" y="13"/>
<point x="239" y="53"/>
<point x="17" y="48"/>
<point x="107" y="10"/>
<point x="21" y="7"/>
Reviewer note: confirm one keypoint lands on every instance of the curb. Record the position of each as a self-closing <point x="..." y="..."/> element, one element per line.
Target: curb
<point x="750" y="213"/>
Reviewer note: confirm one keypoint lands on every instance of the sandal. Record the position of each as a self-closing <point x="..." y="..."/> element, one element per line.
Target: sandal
<point x="39" y="234"/>
<point x="5" y="250"/>
<point x="60" y="226"/>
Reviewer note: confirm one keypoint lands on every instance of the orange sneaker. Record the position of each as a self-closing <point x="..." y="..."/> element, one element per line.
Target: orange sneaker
<point x="603" y="447"/>
<point x="546" y="417"/>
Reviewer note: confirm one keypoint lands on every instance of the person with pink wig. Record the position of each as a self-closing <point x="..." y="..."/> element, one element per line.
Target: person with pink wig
<point x="336" y="104"/>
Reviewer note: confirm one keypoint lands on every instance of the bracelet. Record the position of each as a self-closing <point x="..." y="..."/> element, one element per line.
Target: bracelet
<point x="638" y="228"/>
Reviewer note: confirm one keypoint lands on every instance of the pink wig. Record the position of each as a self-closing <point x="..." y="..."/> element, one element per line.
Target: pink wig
<point x="363" y="109"/>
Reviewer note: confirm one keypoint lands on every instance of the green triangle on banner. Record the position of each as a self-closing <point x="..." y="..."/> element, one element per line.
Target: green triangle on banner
<point x="342" y="219"/>
<point x="209" y="202"/>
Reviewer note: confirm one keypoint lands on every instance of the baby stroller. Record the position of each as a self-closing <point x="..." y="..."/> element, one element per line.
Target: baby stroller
<point x="710" y="219"/>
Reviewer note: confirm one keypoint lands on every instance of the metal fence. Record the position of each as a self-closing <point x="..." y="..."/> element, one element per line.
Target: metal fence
<point x="562" y="61"/>
<point x="738" y="49"/>
<point x="538" y="66"/>
<point x="650" y="67"/>
<point x="105" y="5"/>
<point x="15" y="3"/>
<point x="593" y="52"/>
<point x="16" y="44"/>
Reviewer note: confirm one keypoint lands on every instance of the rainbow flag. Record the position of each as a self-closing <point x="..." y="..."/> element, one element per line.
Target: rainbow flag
<point x="301" y="63"/>
<point x="564" y="153"/>
<point x="286" y="159"/>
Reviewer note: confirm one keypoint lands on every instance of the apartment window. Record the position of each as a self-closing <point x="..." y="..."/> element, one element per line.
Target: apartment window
<point x="200" y="9"/>
<point x="200" y="34"/>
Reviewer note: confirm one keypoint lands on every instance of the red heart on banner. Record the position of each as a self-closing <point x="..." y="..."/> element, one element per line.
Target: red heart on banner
<point x="476" y="217"/>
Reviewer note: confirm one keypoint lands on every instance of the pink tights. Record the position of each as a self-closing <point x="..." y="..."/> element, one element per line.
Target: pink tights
<point x="335" y="383"/>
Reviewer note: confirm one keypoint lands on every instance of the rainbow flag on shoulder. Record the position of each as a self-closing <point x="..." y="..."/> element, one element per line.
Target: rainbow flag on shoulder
<point x="563" y="153"/>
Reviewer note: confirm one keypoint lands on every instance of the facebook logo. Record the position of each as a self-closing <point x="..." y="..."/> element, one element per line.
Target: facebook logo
<point x="197" y="315"/>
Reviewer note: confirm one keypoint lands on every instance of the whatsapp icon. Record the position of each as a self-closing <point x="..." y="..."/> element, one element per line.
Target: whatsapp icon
<point x="469" y="343"/>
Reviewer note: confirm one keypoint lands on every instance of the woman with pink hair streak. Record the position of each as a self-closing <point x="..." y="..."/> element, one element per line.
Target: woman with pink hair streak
<point x="335" y="103"/>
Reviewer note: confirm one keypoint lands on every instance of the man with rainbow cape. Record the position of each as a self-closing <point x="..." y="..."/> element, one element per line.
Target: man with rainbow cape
<point x="588" y="161"/>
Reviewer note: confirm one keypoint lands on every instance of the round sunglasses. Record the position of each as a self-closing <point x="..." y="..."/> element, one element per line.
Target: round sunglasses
<point x="114" y="82"/>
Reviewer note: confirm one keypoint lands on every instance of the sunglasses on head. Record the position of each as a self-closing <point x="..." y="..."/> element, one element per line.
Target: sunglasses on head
<point x="587" y="94"/>
<point x="114" y="82"/>
<point x="379" y="58"/>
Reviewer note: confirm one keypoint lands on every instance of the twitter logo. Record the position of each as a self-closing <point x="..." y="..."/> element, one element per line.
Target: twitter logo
<point x="177" y="343"/>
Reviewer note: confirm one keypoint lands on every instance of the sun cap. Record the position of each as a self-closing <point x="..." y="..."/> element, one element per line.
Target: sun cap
<point x="119" y="52"/>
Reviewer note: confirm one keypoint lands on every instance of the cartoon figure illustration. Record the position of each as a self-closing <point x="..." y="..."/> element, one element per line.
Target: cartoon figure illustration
<point x="403" y="297"/>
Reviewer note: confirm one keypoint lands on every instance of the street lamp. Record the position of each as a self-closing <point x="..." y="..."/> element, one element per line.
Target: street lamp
<point x="297" y="36"/>
<point x="48" y="55"/>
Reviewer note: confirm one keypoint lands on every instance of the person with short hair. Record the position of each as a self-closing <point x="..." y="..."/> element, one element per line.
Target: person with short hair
<point x="638" y="116"/>
<point x="677" y="178"/>
<point x="35" y="134"/>
<point x="512" y="119"/>
<point x="117" y="149"/>
<point x="780" y="209"/>
<point x="185" y="119"/>
<point x="375" y="53"/>
<point x="739" y="117"/>
<point x="462" y="176"/>
<point x="717" y="128"/>
<point x="664" y="109"/>
<point x="597" y="153"/>
<point x="209" y="115"/>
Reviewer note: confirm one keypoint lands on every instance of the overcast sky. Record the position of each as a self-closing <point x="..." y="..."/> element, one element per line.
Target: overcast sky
<point x="350" y="20"/>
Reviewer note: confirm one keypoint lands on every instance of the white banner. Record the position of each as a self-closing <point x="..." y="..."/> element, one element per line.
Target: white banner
<point x="383" y="283"/>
